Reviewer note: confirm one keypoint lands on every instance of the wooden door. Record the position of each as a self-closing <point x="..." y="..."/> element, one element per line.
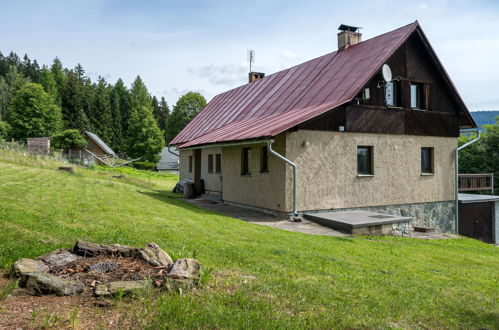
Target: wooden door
<point x="475" y="220"/>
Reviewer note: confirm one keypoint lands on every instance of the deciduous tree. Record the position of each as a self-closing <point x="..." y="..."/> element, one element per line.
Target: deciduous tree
<point x="32" y="113"/>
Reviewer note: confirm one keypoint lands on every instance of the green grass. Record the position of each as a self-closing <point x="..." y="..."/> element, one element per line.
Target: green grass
<point x="257" y="277"/>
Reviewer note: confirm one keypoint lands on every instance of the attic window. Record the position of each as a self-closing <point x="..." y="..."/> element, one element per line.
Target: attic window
<point x="366" y="94"/>
<point x="392" y="94"/>
<point x="417" y="96"/>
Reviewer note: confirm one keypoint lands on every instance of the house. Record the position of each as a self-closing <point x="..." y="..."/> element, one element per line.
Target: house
<point x="96" y="148"/>
<point x="169" y="160"/>
<point x="372" y="126"/>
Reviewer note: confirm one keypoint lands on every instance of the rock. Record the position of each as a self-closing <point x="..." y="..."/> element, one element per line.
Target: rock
<point x="175" y="285"/>
<point x="104" y="267"/>
<point x="89" y="249"/>
<point x="59" y="257"/>
<point x="187" y="268"/>
<point x="26" y="266"/>
<point x="66" y="169"/>
<point x="40" y="284"/>
<point x="125" y="287"/>
<point x="154" y="255"/>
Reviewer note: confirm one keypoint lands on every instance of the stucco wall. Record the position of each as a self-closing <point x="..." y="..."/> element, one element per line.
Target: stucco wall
<point x="212" y="181"/>
<point x="184" y="164"/>
<point x="327" y="170"/>
<point x="264" y="190"/>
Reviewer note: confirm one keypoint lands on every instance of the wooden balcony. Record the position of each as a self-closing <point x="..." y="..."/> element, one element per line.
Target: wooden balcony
<point x="476" y="182"/>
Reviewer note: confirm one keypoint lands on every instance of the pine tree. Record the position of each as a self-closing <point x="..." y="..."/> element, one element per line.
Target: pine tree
<point x="123" y="98"/>
<point x="117" y="142"/>
<point x="164" y="115"/>
<point x="32" y="113"/>
<point x="73" y="113"/>
<point x="102" y="119"/>
<point x="9" y="85"/>
<point x="48" y="82"/>
<point x="188" y="106"/>
<point x="139" y="95"/>
<point x="89" y="90"/>
<point x="59" y="77"/>
<point x="145" y="138"/>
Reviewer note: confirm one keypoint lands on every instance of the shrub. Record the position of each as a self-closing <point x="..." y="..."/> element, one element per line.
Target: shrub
<point x="4" y="130"/>
<point x="148" y="166"/>
<point x="68" y="139"/>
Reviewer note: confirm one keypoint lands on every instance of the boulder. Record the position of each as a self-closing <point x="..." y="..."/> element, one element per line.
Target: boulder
<point x="187" y="268"/>
<point x="26" y="266"/>
<point x="154" y="255"/>
<point x="59" y="257"/>
<point x="89" y="249"/>
<point x="124" y="287"/>
<point x="175" y="285"/>
<point x="41" y="284"/>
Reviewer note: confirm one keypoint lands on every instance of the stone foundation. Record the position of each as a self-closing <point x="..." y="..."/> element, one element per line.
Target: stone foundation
<point x="438" y="215"/>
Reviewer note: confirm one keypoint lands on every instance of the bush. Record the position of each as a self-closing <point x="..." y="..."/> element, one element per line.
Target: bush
<point x="148" y="166"/>
<point x="4" y="130"/>
<point x="68" y="139"/>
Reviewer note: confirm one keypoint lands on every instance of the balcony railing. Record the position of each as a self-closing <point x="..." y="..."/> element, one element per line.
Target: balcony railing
<point x="475" y="182"/>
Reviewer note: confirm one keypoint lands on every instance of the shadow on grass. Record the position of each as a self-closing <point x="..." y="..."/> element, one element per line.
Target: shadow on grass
<point x="168" y="197"/>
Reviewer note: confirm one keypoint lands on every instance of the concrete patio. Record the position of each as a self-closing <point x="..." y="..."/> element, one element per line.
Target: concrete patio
<point x="265" y="219"/>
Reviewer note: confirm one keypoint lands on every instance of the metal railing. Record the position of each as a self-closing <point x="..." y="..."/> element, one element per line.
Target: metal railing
<point x="475" y="182"/>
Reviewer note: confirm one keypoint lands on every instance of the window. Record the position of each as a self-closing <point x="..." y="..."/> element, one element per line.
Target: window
<point x="190" y="164"/>
<point x="210" y="163"/>
<point x="392" y="94"/>
<point x="245" y="160"/>
<point x="426" y="160"/>
<point x="218" y="163"/>
<point x="366" y="94"/>
<point x="365" y="160"/>
<point x="417" y="96"/>
<point x="264" y="159"/>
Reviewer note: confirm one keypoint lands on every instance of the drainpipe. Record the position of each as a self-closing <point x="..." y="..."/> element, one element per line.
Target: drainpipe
<point x="293" y="165"/>
<point x="178" y="158"/>
<point x="457" y="174"/>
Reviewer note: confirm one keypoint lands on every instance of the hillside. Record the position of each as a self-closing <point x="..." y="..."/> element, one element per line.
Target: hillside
<point x="485" y="117"/>
<point x="261" y="277"/>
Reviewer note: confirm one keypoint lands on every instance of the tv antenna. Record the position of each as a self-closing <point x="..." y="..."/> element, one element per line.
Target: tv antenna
<point x="251" y="57"/>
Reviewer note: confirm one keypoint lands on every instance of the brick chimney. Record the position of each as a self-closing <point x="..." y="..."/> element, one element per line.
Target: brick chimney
<point x="254" y="76"/>
<point x="348" y="36"/>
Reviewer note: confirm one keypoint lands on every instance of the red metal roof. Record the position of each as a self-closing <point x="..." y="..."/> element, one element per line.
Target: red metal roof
<point x="272" y="105"/>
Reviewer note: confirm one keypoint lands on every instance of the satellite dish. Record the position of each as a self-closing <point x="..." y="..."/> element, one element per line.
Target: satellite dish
<point x="386" y="72"/>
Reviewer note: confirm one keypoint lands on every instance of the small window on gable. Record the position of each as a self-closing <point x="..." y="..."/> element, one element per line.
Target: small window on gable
<point x="264" y="159"/>
<point x="417" y="96"/>
<point x="190" y="164"/>
<point x="366" y="94"/>
<point x="218" y="163"/>
<point x="365" y="160"/>
<point x="392" y="93"/>
<point x="210" y="163"/>
<point x="426" y="160"/>
<point x="245" y="161"/>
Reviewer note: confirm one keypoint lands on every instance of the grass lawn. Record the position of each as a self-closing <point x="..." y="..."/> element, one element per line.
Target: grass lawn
<point x="262" y="277"/>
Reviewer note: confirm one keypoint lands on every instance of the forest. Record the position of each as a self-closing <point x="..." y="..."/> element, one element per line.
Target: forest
<point x="52" y="100"/>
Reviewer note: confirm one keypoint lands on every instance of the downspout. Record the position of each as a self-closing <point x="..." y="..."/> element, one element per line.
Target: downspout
<point x="457" y="175"/>
<point x="293" y="165"/>
<point x="178" y="159"/>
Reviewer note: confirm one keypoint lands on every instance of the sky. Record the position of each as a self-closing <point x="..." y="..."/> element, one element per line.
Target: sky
<point x="187" y="45"/>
